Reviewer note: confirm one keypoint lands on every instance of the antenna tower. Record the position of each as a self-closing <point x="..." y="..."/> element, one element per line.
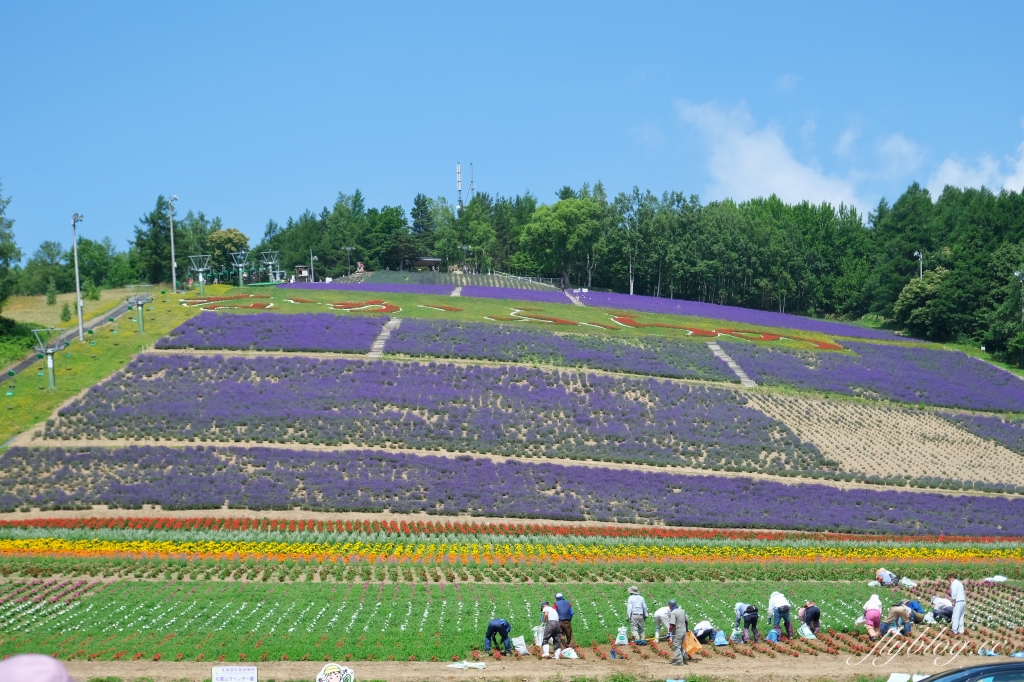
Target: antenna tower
<point x="458" y="184"/>
<point x="48" y="342"/>
<point x="472" y="185"/>
<point x="139" y="298"/>
<point x="201" y="264"/>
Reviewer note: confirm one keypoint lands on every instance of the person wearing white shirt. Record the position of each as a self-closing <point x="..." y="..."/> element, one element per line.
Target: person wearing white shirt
<point x="552" y="630"/>
<point x="778" y="605"/>
<point x="661" y="621"/>
<point x="959" y="599"/>
<point x="942" y="608"/>
<point x="704" y="631"/>
<point x="636" y="613"/>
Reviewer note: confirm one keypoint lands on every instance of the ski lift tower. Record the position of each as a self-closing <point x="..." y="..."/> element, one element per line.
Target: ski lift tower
<point x="201" y="264"/>
<point x="48" y="342"/>
<point x="270" y="261"/>
<point x="139" y="297"/>
<point x="458" y="185"/>
<point x="240" y="260"/>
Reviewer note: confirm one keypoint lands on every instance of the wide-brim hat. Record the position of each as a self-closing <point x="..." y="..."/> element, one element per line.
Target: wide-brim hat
<point x="634" y="590"/>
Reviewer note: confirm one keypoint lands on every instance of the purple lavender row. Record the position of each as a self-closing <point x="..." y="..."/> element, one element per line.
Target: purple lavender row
<point x="1007" y="433"/>
<point x="765" y="318"/>
<point x="650" y="355"/>
<point x="274" y="331"/>
<point x="509" y="294"/>
<point x="505" y="410"/>
<point x="906" y="373"/>
<point x="435" y="289"/>
<point x="367" y="481"/>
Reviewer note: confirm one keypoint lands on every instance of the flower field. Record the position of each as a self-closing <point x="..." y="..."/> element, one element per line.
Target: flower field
<point x="909" y="374"/>
<point x="503" y="293"/>
<point x="665" y="306"/>
<point x="434" y="406"/>
<point x="651" y="355"/>
<point x="321" y="332"/>
<point x="261" y="478"/>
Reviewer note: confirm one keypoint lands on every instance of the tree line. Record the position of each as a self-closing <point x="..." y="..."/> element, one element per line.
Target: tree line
<point x="816" y="260"/>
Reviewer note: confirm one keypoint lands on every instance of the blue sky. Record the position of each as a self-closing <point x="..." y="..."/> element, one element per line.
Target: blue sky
<point x="258" y="111"/>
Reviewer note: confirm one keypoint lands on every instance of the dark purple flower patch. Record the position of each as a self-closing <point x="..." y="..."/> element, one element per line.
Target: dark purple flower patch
<point x="272" y="331"/>
<point x="372" y="481"/>
<point x="1007" y="433"/>
<point x="906" y="373"/>
<point x="435" y="289"/>
<point x="667" y="306"/>
<point x="506" y="293"/>
<point x="437" y="406"/>
<point x="522" y="344"/>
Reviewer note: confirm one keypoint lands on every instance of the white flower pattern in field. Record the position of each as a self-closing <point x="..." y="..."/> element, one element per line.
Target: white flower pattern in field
<point x="889" y="440"/>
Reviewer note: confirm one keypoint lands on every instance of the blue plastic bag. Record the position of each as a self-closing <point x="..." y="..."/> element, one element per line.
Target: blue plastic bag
<point x="721" y="639"/>
<point x="773" y="635"/>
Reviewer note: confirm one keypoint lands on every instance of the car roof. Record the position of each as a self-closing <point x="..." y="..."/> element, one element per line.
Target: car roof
<point x="976" y="670"/>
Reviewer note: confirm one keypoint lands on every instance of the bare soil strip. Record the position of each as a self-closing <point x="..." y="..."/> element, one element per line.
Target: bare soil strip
<point x="533" y="670"/>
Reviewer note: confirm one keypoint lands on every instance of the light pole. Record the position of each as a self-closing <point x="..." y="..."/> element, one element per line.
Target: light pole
<point x="75" y="219"/>
<point x="464" y="250"/>
<point x="919" y="255"/>
<point x="348" y="272"/>
<point x="1020" y="278"/>
<point x="311" y="259"/>
<point x="174" y="264"/>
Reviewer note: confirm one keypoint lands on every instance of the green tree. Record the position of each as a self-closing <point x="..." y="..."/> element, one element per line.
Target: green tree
<point x="65" y="312"/>
<point x="915" y="309"/>
<point x="51" y="292"/>
<point x="221" y="244"/>
<point x="9" y="251"/>
<point x="562" y="234"/>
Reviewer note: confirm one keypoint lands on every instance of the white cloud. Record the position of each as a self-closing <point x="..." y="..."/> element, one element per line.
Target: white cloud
<point x="807" y="131"/>
<point x="957" y="173"/>
<point x="787" y="81"/>
<point x="845" y="143"/>
<point x="648" y="135"/>
<point x="900" y="156"/>
<point x="747" y="161"/>
<point x="1015" y="181"/>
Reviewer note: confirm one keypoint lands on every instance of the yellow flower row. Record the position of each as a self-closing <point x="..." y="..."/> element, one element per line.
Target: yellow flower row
<point x="488" y="553"/>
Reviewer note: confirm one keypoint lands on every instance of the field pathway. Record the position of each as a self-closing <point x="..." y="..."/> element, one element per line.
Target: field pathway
<point x="377" y="349"/>
<point x="457" y="291"/>
<point x="736" y="369"/>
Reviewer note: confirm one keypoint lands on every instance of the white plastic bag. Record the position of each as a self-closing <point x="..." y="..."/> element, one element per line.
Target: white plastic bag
<point x="805" y="631"/>
<point x="569" y="653"/>
<point x="519" y="644"/>
<point x="874" y="583"/>
<point x="907" y="582"/>
<point x="622" y="638"/>
<point x="996" y="579"/>
<point x="538" y="634"/>
<point x="860" y="621"/>
<point x="737" y="635"/>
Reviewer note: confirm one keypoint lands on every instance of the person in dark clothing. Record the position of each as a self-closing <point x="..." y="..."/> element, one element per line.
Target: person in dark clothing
<point x="810" y="614"/>
<point x="498" y="626"/>
<point x="565" y="614"/>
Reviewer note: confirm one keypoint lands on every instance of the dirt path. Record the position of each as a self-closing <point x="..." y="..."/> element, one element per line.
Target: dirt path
<point x="532" y="670"/>
<point x="27" y="439"/>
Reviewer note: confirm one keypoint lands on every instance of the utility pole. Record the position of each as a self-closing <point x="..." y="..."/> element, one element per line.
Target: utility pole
<point x="75" y="219"/>
<point x="311" y="259"/>
<point x="174" y="264"/>
<point x="920" y="264"/>
<point x="348" y="271"/>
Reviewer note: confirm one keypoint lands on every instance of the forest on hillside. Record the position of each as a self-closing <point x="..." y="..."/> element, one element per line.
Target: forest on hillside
<point x="943" y="268"/>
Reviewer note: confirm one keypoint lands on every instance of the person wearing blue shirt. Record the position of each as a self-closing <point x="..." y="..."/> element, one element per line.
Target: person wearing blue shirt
<point x="498" y="626"/>
<point x="565" y="614"/>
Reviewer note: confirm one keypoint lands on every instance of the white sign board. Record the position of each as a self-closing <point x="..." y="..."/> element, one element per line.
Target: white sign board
<point x="234" y="673"/>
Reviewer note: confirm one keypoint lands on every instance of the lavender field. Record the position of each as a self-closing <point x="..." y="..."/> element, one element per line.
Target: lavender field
<point x="505" y="293"/>
<point x="502" y="410"/>
<point x="321" y="332"/>
<point x="382" y="287"/>
<point x="905" y="373"/>
<point x="367" y="481"/>
<point x="666" y="306"/>
<point x="1009" y="433"/>
<point x="651" y="355"/>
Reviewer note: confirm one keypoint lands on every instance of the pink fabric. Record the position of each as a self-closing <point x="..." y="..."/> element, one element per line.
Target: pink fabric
<point x="873" y="618"/>
<point x="33" y="668"/>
